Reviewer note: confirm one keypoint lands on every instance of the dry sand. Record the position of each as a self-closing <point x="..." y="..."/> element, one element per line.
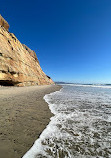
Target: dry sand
<point x="23" y="116"/>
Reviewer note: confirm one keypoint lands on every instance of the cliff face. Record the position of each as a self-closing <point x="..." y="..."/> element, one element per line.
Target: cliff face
<point x="4" y="23"/>
<point x="19" y="65"/>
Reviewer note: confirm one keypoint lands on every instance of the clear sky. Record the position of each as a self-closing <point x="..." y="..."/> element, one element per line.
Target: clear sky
<point x="72" y="38"/>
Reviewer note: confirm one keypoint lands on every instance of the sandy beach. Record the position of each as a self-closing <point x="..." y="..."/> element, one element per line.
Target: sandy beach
<point x="23" y="116"/>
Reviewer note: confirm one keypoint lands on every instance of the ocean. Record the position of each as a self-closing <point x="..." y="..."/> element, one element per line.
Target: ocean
<point x="81" y="125"/>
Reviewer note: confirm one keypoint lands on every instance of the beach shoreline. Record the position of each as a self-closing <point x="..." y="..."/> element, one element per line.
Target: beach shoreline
<point x="24" y="114"/>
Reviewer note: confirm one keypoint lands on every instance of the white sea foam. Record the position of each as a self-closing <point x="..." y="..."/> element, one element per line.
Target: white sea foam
<point x="80" y="126"/>
<point x="92" y="85"/>
<point x="51" y="129"/>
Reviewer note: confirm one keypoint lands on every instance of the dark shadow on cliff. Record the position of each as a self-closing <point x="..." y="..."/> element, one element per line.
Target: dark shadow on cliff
<point x="6" y="83"/>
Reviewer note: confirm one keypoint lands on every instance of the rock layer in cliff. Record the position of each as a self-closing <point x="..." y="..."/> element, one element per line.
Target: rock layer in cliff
<point x="19" y="65"/>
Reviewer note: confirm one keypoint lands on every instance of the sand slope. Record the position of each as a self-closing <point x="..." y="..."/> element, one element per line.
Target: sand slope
<point x="23" y="116"/>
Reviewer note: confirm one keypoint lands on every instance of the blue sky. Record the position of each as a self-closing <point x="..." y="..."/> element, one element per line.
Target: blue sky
<point x="72" y="38"/>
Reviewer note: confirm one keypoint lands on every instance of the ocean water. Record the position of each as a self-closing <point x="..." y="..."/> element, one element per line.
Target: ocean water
<point x="81" y="126"/>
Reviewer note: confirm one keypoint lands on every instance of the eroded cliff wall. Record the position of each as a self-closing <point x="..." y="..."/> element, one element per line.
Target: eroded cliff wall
<point x="19" y="65"/>
<point x="4" y="23"/>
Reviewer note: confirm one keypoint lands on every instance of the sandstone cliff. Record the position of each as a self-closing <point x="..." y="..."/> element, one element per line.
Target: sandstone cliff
<point x="4" y="23"/>
<point x="19" y="65"/>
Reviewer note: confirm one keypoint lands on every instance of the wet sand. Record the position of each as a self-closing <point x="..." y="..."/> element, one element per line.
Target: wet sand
<point x="23" y="116"/>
